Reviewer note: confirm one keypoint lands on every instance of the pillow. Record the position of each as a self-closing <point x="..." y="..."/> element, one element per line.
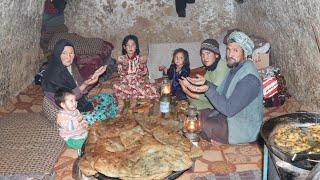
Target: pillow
<point x="88" y="64"/>
<point x="82" y="45"/>
<point x="161" y="55"/>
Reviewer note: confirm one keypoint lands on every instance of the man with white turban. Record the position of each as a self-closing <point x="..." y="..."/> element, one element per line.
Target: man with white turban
<point x="238" y="100"/>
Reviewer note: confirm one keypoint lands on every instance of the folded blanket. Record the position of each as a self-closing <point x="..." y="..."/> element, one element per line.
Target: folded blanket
<point x="83" y="45"/>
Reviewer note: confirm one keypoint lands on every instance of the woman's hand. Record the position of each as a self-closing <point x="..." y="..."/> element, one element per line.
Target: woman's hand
<point x="100" y="71"/>
<point x="93" y="79"/>
<point x="199" y="80"/>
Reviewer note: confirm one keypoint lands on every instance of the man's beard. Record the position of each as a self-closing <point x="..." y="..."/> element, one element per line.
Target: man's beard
<point x="234" y="64"/>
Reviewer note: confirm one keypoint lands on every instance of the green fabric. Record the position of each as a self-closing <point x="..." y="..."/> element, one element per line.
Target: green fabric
<point x="105" y="107"/>
<point x="216" y="77"/>
<point x="75" y="143"/>
<point x="245" y="125"/>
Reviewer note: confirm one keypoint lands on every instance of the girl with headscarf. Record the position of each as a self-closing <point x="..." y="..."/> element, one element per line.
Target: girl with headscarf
<point x="62" y="73"/>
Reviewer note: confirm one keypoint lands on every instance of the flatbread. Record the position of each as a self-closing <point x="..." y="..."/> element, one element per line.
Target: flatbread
<point x="132" y="137"/>
<point x="174" y="125"/>
<point x="86" y="168"/>
<point x="109" y="144"/>
<point x="195" y="152"/>
<point x="92" y="136"/>
<point x="148" y="123"/>
<point x="114" y="127"/>
<point x="114" y="145"/>
<point x="115" y="164"/>
<point x="155" y="159"/>
<point x="169" y="137"/>
<point x="151" y="177"/>
<point x="111" y="165"/>
<point x="123" y="149"/>
<point x="148" y="139"/>
<point x="142" y="107"/>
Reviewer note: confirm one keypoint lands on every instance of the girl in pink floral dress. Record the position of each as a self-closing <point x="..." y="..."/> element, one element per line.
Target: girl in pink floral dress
<point x="133" y="71"/>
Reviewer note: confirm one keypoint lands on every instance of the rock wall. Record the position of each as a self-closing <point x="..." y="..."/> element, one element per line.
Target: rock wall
<point x="150" y="20"/>
<point x="19" y="45"/>
<point x="293" y="28"/>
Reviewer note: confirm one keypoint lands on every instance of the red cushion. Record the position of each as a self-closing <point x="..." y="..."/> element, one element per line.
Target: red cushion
<point x="87" y="64"/>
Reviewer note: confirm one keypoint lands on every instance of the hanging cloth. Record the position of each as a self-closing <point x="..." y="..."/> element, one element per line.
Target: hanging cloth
<point x="181" y="6"/>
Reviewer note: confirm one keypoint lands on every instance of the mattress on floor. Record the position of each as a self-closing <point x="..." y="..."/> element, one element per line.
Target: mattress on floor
<point x="29" y="147"/>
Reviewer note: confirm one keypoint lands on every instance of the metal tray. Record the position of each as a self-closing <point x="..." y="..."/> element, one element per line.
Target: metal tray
<point x="76" y="173"/>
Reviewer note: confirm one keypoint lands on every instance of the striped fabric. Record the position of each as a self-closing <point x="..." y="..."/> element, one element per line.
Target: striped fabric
<point x="270" y="87"/>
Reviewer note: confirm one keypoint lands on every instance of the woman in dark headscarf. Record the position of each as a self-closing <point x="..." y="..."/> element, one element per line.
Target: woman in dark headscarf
<point x="62" y="73"/>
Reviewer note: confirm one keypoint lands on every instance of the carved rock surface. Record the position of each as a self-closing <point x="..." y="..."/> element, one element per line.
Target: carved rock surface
<point x="19" y="45"/>
<point x="150" y="20"/>
<point x="292" y="28"/>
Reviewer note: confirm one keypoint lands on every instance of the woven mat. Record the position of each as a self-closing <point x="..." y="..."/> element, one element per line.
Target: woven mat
<point x="29" y="146"/>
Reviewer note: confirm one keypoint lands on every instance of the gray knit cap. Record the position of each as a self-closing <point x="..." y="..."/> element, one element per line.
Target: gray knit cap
<point x="210" y="45"/>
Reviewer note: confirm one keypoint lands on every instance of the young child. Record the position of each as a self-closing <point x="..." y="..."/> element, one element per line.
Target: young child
<point x="133" y="71"/>
<point x="180" y="67"/>
<point x="72" y="127"/>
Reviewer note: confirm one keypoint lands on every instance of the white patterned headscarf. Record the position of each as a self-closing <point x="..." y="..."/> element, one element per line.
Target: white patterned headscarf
<point x="243" y="40"/>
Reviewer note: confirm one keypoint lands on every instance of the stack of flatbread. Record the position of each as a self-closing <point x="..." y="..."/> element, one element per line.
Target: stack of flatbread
<point x="137" y="147"/>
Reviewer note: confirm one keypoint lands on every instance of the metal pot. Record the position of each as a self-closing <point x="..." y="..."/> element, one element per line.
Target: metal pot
<point x="267" y="131"/>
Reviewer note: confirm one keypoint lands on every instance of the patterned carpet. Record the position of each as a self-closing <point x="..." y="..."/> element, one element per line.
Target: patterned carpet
<point x="218" y="159"/>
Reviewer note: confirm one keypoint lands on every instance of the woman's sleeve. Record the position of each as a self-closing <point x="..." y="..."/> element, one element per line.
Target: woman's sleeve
<point x="79" y="80"/>
<point x="78" y="93"/>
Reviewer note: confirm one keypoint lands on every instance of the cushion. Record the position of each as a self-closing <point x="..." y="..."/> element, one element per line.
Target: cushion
<point x="49" y="110"/>
<point x="30" y="147"/>
<point x="82" y="45"/>
<point x="87" y="64"/>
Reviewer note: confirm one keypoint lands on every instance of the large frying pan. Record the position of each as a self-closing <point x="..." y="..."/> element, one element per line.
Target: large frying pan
<point x="267" y="132"/>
